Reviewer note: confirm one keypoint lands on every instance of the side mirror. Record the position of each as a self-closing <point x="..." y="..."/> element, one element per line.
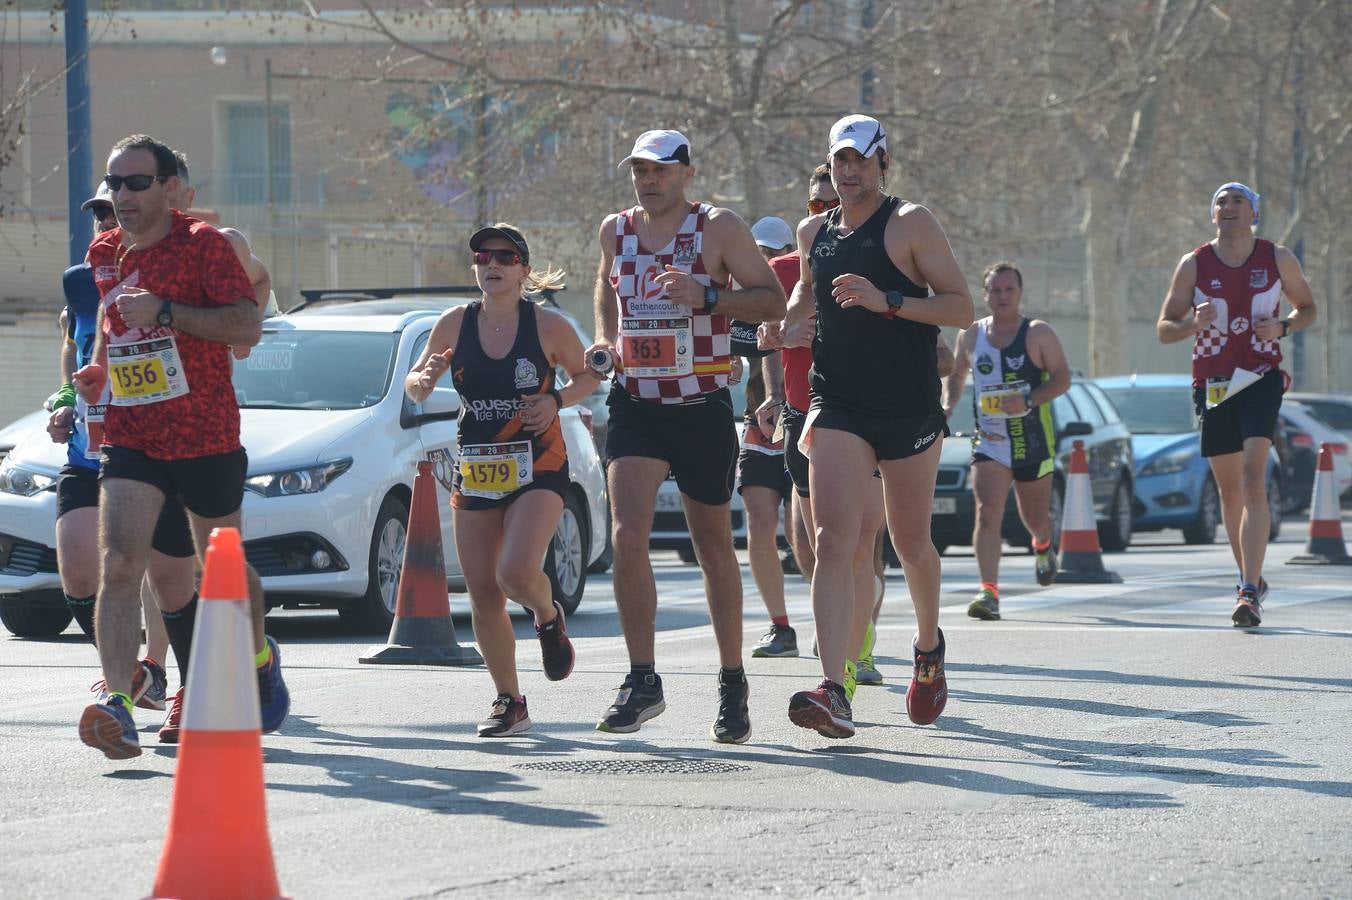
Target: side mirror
<point x="442" y="403"/>
<point x="1077" y="429"/>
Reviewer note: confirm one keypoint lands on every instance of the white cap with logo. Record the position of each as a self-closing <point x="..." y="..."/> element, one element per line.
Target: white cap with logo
<point x="772" y="232"/>
<point x="666" y="147"/>
<point x="863" y="133"/>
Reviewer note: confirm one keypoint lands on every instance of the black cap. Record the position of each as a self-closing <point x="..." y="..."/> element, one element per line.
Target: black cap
<point x="477" y="239"/>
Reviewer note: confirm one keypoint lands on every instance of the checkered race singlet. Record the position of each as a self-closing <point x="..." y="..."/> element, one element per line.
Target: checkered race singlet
<point x="1240" y="294"/>
<point x="668" y="353"/>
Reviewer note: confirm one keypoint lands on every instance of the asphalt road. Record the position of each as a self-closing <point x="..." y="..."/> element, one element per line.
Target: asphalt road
<point x="1114" y="741"/>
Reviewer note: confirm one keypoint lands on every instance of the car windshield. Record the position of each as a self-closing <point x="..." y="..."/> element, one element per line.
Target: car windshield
<point x="315" y="370"/>
<point x="1154" y="410"/>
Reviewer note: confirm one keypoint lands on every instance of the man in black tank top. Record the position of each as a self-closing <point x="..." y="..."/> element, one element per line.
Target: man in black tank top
<point x="867" y="271"/>
<point x="1017" y="368"/>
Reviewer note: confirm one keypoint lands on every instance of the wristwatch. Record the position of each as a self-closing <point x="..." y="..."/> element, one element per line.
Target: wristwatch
<point x="166" y="316"/>
<point x="710" y="298"/>
<point x="1286" y="327"/>
<point x="894" y="301"/>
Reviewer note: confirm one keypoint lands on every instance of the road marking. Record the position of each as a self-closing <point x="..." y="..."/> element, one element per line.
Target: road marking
<point x="1216" y="605"/>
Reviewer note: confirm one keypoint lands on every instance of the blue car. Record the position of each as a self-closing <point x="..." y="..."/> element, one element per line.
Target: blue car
<point x="1174" y="485"/>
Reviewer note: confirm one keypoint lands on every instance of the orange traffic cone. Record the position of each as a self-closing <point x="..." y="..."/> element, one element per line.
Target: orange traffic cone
<point x="217" y="845"/>
<point x="1081" y="556"/>
<point x="1326" y="546"/>
<point x="423" y="633"/>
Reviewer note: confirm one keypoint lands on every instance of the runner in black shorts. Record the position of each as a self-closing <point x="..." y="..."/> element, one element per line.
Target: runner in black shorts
<point x="1226" y="295"/>
<point x="875" y="404"/>
<point x="512" y="471"/>
<point x="78" y="488"/>
<point x="664" y="302"/>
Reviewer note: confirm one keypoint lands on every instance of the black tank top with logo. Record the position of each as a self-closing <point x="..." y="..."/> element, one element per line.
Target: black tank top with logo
<point x="492" y="391"/>
<point x="863" y="361"/>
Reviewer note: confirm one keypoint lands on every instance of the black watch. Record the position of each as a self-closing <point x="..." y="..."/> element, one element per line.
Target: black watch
<point x="166" y="316"/>
<point x="894" y="300"/>
<point x="710" y="298"/>
<point x="1286" y="327"/>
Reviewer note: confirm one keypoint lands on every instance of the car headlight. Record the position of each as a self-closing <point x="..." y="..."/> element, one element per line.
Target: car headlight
<point x="15" y="479"/>
<point x="1167" y="464"/>
<point x="306" y="480"/>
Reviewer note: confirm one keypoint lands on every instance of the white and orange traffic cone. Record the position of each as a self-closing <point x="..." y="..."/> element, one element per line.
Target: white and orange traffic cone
<point x="217" y="845"/>
<point x="1326" y="546"/>
<point x="1081" y="555"/>
<point x="423" y="633"/>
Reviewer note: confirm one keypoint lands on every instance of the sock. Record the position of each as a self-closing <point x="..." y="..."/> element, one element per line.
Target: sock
<point x="779" y="621"/>
<point x="119" y="697"/>
<point x="992" y="587"/>
<point x="869" y="637"/>
<point x="180" y="625"/>
<point x="82" y="608"/>
<point x="264" y="656"/>
<point x="1041" y="548"/>
<point x="643" y="672"/>
<point x="732" y="676"/>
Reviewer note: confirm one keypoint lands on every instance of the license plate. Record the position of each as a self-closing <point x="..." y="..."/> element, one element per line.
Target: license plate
<point x="669" y="501"/>
<point x="944" y="506"/>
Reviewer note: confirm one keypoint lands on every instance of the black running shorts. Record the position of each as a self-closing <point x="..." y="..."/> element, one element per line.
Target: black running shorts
<point x="208" y="486"/>
<point x="78" y="488"/>
<point x="765" y="470"/>
<point x="795" y="463"/>
<point x="1031" y="472"/>
<point x="1250" y="413"/>
<point x="891" y="437"/>
<point x="698" y="440"/>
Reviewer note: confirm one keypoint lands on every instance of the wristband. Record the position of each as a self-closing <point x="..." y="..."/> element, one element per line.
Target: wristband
<point x="64" y="396"/>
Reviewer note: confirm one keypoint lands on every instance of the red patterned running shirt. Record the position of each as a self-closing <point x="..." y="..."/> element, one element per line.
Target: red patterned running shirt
<point x="159" y="407"/>
<point x="1240" y="294"/>
<point x="797" y="360"/>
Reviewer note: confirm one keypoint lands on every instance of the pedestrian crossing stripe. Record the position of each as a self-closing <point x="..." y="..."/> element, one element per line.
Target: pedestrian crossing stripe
<point x="1223" y="603"/>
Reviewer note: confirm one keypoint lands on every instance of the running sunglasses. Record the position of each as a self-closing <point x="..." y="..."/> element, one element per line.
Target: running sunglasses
<point x="501" y="257"/>
<point x="134" y="183"/>
<point x="817" y="207"/>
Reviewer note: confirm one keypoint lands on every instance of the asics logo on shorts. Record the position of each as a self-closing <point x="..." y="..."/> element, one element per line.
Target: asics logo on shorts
<point x="925" y="440"/>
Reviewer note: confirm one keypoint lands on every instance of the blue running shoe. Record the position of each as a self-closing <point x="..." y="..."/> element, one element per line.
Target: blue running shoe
<point x="274" y="700"/>
<point x="156" y="685"/>
<point x="108" y="726"/>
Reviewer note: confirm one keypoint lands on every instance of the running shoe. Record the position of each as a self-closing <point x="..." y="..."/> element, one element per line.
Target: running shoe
<point x="1046" y="567"/>
<point x="636" y="703"/>
<point x="174" y="720"/>
<point x="1248" y="612"/>
<point x="109" y="727"/>
<point x="556" y="651"/>
<point x="780" y="640"/>
<point x="733" y="725"/>
<point x="928" y="693"/>
<point x="274" y="700"/>
<point x="825" y="710"/>
<point x="508" y="716"/>
<point x="156" y="685"/>
<point x="986" y="605"/>
<point x="142" y="680"/>
<point x="851" y="679"/>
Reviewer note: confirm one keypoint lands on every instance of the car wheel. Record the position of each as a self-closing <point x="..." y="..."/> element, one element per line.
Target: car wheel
<point x="607" y="557"/>
<point x="374" y="610"/>
<point x="1202" y="530"/>
<point x="1275" y="499"/>
<point x="1115" y="534"/>
<point x="566" y="559"/>
<point x="35" y="621"/>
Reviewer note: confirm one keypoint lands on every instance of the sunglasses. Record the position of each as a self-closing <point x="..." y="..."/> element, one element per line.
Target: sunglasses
<point x="501" y="257"/>
<point x="135" y="183"/>
<point x="817" y="207"/>
<point x="101" y="212"/>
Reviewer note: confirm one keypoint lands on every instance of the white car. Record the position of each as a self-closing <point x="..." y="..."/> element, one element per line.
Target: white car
<point x="333" y="447"/>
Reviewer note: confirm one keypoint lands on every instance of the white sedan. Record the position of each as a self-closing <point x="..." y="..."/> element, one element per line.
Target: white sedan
<point x="333" y="448"/>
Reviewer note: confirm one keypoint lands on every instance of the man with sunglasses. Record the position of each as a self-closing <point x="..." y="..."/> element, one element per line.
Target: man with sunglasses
<point x="174" y="299"/>
<point x="663" y="309"/>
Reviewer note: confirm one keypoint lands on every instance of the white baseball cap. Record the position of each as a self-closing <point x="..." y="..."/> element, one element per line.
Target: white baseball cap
<point x="772" y="232"/>
<point x="863" y="133"/>
<point x="666" y="147"/>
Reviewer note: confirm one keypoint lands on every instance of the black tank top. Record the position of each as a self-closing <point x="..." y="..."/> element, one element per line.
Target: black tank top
<point x="862" y="361"/>
<point x="491" y="390"/>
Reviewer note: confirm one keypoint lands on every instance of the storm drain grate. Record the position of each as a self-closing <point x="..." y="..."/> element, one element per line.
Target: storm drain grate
<point x="635" y="766"/>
